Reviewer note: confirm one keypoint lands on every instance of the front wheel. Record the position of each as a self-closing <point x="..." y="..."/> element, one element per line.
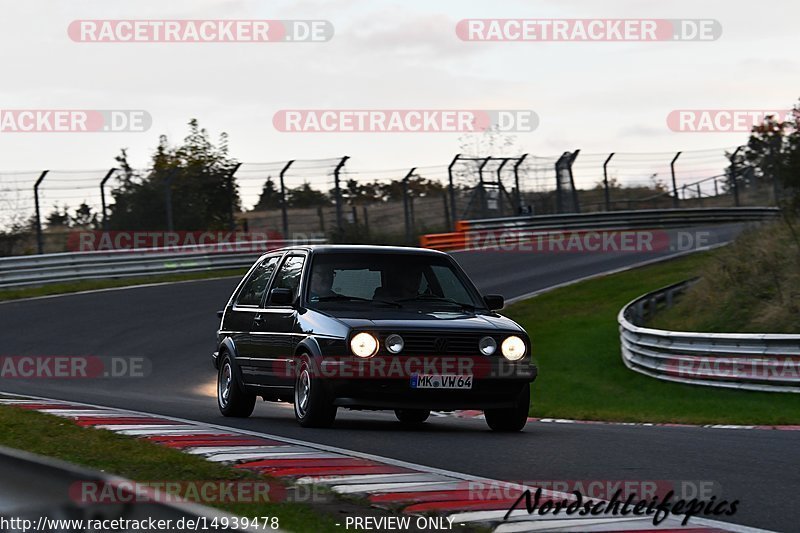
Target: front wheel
<point x="231" y="398"/>
<point x="513" y="418"/>
<point x="412" y="416"/>
<point x="313" y="408"/>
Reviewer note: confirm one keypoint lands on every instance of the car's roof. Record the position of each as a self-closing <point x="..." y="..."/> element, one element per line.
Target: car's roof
<point x="359" y="248"/>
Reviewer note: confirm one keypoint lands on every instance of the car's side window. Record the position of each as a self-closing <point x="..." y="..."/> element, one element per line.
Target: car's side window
<point x="254" y="288"/>
<point x="288" y="277"/>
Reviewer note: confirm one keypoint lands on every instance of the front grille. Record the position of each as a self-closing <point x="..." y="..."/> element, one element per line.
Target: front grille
<point x="438" y="343"/>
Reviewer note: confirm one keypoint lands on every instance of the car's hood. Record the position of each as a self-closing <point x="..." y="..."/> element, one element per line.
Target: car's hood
<point x="401" y="319"/>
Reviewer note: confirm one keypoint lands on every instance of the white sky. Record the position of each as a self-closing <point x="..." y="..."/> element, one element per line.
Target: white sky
<point x="598" y="97"/>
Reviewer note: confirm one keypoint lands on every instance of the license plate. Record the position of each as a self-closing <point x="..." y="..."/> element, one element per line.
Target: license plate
<point x="441" y="381"/>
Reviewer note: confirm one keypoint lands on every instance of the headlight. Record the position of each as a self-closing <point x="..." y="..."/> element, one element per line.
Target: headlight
<point x="364" y="345"/>
<point x="487" y="345"/>
<point x="394" y="343"/>
<point x="513" y="348"/>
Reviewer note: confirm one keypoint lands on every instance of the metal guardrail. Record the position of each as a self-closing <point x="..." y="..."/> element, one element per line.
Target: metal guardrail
<point x="750" y="361"/>
<point x="649" y="218"/>
<point x="611" y="220"/>
<point x="43" y="269"/>
<point x="46" y="492"/>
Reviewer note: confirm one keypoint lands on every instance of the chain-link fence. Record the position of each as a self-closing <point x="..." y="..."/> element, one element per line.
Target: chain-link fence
<point x="338" y="199"/>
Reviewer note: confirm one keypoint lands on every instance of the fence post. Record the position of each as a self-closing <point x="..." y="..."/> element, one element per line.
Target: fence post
<point x="575" y="199"/>
<point x="564" y="169"/>
<point x="674" y="183"/>
<point x="734" y="177"/>
<point x="321" y="216"/>
<point x="451" y="189"/>
<point x="559" y="192"/>
<point x="232" y="198"/>
<point x="605" y="181"/>
<point x="103" y="196"/>
<point x="284" y="213"/>
<point x="168" y="197"/>
<point x="699" y="194"/>
<point x="500" y="187"/>
<point x="516" y="183"/>
<point x="39" y="238"/>
<point x="481" y="189"/>
<point x="338" y="194"/>
<point x="447" y="222"/>
<point x="406" y="206"/>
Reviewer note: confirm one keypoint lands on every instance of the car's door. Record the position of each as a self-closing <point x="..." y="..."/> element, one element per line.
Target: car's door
<point x="274" y="338"/>
<point x="244" y="308"/>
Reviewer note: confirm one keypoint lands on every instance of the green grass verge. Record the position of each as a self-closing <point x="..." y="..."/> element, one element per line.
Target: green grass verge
<point x="143" y="461"/>
<point x="88" y="285"/>
<point x="581" y="374"/>
<point x="752" y="286"/>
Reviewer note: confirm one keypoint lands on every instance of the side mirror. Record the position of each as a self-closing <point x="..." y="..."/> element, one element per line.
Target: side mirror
<point x="494" y="301"/>
<point x="220" y="313"/>
<point x="280" y="297"/>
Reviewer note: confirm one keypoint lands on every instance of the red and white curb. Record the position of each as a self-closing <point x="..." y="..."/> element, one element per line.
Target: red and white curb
<point x="478" y="415"/>
<point x="413" y="489"/>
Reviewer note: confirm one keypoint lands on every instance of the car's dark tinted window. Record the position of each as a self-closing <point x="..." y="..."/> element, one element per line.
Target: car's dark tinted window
<point x="411" y="280"/>
<point x="253" y="290"/>
<point x="288" y="276"/>
<point x="449" y="284"/>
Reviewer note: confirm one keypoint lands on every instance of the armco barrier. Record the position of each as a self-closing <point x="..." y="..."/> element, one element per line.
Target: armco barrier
<point x="522" y="226"/>
<point x="751" y="361"/>
<point x="63" y="267"/>
<point x="41" y="491"/>
<point x="625" y="219"/>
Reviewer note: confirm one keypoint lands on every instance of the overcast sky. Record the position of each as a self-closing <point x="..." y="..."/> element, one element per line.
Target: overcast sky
<point x="599" y="97"/>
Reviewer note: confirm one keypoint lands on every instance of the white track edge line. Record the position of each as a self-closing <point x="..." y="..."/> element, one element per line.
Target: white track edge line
<point x="386" y="460"/>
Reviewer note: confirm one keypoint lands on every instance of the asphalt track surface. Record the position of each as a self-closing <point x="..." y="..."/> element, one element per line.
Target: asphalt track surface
<point x="174" y="325"/>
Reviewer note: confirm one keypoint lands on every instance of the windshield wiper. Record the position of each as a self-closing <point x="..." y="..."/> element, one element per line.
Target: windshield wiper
<point x="340" y="297"/>
<point x="345" y="298"/>
<point x="438" y="299"/>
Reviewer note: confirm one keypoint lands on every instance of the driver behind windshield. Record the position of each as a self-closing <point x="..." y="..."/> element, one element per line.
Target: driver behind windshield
<point x="399" y="284"/>
<point x="321" y="282"/>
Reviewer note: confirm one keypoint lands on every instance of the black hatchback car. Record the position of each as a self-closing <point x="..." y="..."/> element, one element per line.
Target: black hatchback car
<point x="370" y="327"/>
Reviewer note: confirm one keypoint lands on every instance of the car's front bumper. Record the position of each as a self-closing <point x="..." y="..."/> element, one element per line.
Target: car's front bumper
<point x="399" y="395"/>
<point x="491" y="388"/>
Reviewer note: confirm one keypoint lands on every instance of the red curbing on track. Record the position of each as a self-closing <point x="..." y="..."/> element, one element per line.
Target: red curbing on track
<point x="384" y="482"/>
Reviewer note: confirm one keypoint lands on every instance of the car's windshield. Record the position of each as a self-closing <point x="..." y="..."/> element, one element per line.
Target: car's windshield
<point x="388" y="280"/>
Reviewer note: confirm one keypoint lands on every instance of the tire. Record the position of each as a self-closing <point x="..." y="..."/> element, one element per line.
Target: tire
<point x="412" y="417"/>
<point x="232" y="400"/>
<point x="313" y="407"/>
<point x="514" y="418"/>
